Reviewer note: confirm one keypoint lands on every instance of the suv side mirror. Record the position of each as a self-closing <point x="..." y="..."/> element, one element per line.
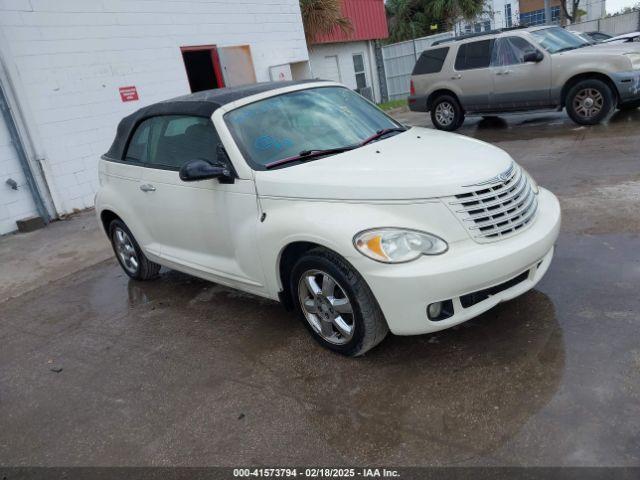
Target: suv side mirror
<point x="536" y="57"/>
<point x="199" y="169"/>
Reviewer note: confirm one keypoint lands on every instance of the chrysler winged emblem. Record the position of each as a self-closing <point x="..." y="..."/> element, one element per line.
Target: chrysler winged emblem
<point x="501" y="177"/>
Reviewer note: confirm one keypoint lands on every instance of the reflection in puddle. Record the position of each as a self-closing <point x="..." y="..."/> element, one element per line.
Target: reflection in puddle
<point x="448" y="395"/>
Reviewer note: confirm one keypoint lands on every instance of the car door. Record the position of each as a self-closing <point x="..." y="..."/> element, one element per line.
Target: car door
<point x="205" y="227"/>
<point x="472" y="75"/>
<point x="124" y="177"/>
<point x="520" y="84"/>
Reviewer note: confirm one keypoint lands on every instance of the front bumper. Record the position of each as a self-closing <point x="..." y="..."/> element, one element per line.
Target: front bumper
<point x="404" y="291"/>
<point x="628" y="85"/>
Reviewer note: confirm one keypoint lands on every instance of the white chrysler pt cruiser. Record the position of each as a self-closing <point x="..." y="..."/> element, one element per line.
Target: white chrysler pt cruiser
<point x="307" y="193"/>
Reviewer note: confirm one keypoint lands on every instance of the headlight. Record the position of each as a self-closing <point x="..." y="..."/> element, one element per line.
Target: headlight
<point x="532" y="182"/>
<point x="397" y="245"/>
<point x="634" y="58"/>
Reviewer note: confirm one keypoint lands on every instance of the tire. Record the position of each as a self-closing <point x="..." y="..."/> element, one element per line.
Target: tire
<point x="447" y="107"/>
<point x="353" y="305"/>
<point x="589" y="102"/>
<point x="126" y="248"/>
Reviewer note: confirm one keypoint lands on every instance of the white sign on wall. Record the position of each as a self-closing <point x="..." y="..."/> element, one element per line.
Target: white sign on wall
<point x="280" y="73"/>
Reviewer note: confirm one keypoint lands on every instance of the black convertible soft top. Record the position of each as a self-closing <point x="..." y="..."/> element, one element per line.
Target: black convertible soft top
<point x="200" y="104"/>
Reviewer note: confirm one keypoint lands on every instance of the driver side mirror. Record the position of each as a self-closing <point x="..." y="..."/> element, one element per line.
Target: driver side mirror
<point x="198" y="169"/>
<point x="535" y="57"/>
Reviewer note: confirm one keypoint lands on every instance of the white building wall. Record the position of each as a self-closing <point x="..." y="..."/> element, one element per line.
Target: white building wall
<point x="14" y="204"/>
<point x="322" y="59"/>
<point x="67" y="59"/>
<point x="495" y="14"/>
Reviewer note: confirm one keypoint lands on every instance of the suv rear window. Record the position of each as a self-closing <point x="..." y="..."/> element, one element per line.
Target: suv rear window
<point x="430" y="61"/>
<point x="474" y="55"/>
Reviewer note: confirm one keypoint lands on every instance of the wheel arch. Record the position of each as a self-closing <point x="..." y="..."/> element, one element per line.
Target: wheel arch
<point x="439" y="92"/>
<point x="287" y="257"/>
<point x="572" y="81"/>
<point x="106" y="217"/>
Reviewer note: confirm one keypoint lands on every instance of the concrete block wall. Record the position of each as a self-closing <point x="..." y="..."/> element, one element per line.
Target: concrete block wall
<point x="67" y="59"/>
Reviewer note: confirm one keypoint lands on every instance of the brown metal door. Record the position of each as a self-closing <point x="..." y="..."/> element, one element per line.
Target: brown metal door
<point x="237" y="65"/>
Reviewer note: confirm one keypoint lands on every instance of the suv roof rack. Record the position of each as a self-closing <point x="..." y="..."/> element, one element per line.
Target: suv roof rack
<point x="478" y="34"/>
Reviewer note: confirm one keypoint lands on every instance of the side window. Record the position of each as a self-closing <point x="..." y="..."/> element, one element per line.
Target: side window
<point x="474" y="55"/>
<point x="137" y="150"/>
<point x="430" y="61"/>
<point x="510" y="51"/>
<point x="182" y="138"/>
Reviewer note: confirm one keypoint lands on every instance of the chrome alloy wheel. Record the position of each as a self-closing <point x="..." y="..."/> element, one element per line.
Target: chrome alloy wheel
<point x="445" y="113"/>
<point x="588" y="102"/>
<point x="326" y="307"/>
<point x="125" y="250"/>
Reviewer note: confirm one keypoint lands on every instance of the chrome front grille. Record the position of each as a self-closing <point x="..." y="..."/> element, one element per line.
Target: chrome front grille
<point x="499" y="208"/>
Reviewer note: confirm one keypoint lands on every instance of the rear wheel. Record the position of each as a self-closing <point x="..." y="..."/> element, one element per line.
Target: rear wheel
<point x="129" y="255"/>
<point x="446" y="113"/>
<point x="589" y="102"/>
<point x="335" y="304"/>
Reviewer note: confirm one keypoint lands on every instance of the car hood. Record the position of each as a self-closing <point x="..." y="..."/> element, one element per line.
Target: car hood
<point x="613" y="48"/>
<point x="417" y="164"/>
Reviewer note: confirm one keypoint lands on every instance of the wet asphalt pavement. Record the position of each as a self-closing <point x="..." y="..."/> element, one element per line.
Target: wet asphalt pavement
<point x="184" y="372"/>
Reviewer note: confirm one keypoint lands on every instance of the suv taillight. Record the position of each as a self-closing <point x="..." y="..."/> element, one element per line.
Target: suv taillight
<point x="412" y="89"/>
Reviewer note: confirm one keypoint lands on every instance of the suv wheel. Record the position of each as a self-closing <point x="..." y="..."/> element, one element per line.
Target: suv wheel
<point x="335" y="303"/>
<point x="129" y="255"/>
<point x="446" y="113"/>
<point x="589" y="102"/>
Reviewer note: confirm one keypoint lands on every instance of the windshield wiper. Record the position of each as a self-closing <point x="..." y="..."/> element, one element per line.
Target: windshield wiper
<point x="381" y="133"/>
<point x="309" y="154"/>
<point x="314" y="153"/>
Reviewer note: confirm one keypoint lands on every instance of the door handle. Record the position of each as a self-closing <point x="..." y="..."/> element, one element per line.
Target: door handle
<point x="456" y="77"/>
<point x="147" y="187"/>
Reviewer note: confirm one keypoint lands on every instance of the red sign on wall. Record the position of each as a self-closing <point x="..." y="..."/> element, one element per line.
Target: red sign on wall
<point x="128" y="94"/>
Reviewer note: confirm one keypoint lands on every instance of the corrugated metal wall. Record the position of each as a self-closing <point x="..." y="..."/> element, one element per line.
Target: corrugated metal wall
<point x="368" y="19"/>
<point x="399" y="59"/>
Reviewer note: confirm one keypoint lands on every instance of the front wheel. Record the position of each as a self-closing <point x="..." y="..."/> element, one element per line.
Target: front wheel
<point x="446" y="113"/>
<point x="589" y="102"/>
<point x="335" y="303"/>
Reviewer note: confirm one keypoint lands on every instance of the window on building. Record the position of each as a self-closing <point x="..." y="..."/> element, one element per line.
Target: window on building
<point x="537" y="17"/>
<point x="430" y="61"/>
<point x="358" y="68"/>
<point x="477" y="27"/>
<point x="172" y="140"/>
<point x="474" y="55"/>
<point x="507" y="16"/>
<point x="486" y="25"/>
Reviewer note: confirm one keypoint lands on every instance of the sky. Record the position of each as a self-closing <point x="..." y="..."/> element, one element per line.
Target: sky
<point x="617" y="5"/>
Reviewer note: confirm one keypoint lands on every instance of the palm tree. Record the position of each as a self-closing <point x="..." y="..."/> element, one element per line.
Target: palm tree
<point x="451" y="11"/>
<point x="320" y="17"/>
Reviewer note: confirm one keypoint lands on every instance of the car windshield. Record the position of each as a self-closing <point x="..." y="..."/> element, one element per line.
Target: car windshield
<point x="319" y="118"/>
<point x="556" y="39"/>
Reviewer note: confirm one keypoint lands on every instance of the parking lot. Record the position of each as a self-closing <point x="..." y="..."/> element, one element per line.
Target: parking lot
<point x="96" y="369"/>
